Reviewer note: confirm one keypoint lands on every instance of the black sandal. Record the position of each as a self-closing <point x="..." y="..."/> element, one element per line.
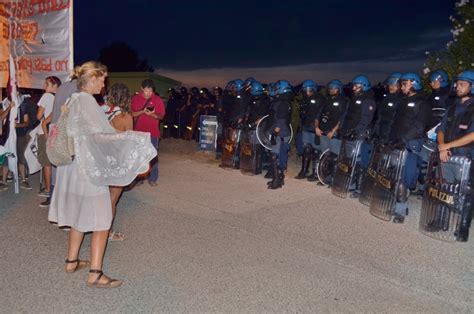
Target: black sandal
<point x="80" y="265"/>
<point x="111" y="283"/>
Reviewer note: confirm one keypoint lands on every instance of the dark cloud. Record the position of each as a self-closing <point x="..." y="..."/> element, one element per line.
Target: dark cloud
<point x="205" y="33"/>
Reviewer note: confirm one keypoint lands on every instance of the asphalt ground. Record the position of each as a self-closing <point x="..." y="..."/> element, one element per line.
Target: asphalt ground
<point x="208" y="239"/>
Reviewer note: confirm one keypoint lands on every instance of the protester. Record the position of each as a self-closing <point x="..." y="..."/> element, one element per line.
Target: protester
<point x="118" y="105"/>
<point x="148" y="110"/>
<point x="4" y="135"/>
<point x="103" y="157"/>
<point x="45" y="108"/>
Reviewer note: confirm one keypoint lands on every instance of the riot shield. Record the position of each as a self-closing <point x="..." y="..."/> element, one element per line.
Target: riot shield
<point x="389" y="174"/>
<point x="326" y="166"/>
<point x="230" y="149"/>
<point x="446" y="206"/>
<point x="263" y="132"/>
<point x="368" y="180"/>
<point x="345" y="169"/>
<point x="250" y="153"/>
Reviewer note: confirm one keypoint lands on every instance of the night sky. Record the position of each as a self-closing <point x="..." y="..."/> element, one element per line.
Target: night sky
<point x="187" y="35"/>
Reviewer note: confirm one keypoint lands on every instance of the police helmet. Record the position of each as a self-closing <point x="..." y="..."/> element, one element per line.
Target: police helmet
<point x="362" y="80"/>
<point x="414" y="78"/>
<point x="441" y="76"/>
<point x="335" y="84"/>
<point x="238" y="85"/>
<point x="467" y="76"/>
<point x="308" y="85"/>
<point x="393" y="78"/>
<point x="256" y="89"/>
<point x="283" y="87"/>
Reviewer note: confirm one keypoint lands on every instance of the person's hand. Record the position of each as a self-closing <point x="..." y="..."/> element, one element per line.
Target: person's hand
<point x="444" y="155"/>
<point x="318" y="132"/>
<point x="443" y="146"/>
<point x="147" y="112"/>
<point x="330" y="134"/>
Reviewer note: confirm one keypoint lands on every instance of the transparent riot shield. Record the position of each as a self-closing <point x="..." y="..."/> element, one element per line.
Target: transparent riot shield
<point x="446" y="206"/>
<point x="345" y="168"/>
<point x="389" y="174"/>
<point x="368" y="180"/>
<point x="263" y="132"/>
<point x="326" y="166"/>
<point x="250" y="153"/>
<point x="230" y="153"/>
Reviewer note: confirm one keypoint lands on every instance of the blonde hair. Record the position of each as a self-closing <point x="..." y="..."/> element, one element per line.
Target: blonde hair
<point x="86" y="71"/>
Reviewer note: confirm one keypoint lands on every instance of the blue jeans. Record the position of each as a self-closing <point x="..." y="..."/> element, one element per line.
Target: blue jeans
<point x="153" y="177"/>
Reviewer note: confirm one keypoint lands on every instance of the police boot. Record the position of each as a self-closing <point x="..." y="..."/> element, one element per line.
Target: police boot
<point x="314" y="175"/>
<point x="269" y="173"/>
<point x="275" y="183"/>
<point x="358" y="183"/>
<point x="304" y="167"/>
<point x="401" y="209"/>
<point x="466" y="218"/>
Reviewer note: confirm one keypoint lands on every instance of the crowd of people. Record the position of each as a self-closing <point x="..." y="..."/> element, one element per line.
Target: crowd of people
<point x="342" y="133"/>
<point x="351" y="138"/>
<point x="115" y="145"/>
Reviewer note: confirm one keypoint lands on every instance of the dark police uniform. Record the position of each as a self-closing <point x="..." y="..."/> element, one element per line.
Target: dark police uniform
<point x="386" y="112"/>
<point x="458" y="122"/>
<point x="412" y="119"/>
<point x="280" y="115"/>
<point x="333" y="112"/>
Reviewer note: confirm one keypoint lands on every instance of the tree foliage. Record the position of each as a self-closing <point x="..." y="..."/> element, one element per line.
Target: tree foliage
<point x="459" y="52"/>
<point x="120" y="57"/>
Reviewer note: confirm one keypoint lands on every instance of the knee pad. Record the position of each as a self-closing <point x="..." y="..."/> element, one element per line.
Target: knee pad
<point x="308" y="150"/>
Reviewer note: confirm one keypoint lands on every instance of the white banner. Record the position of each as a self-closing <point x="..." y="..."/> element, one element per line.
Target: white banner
<point x="38" y="34"/>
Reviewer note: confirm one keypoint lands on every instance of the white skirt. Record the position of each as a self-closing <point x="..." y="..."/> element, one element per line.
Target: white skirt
<point x="78" y="203"/>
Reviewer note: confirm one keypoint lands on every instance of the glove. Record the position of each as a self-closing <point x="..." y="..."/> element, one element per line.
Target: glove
<point x="273" y="139"/>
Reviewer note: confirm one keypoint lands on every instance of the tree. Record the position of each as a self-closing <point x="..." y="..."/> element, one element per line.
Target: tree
<point x="120" y="57"/>
<point x="459" y="53"/>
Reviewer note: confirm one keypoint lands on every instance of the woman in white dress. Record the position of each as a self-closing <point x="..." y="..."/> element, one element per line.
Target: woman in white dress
<point x="103" y="158"/>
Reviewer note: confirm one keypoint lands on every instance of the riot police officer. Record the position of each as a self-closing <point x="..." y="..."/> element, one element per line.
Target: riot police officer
<point x="310" y="106"/>
<point x="439" y="82"/>
<point x="387" y="109"/>
<point x="171" y="123"/>
<point x="237" y="109"/>
<point x="439" y="98"/>
<point x="183" y="112"/>
<point x="456" y="137"/>
<point x="413" y="117"/>
<point x="280" y="115"/>
<point x="357" y="121"/>
<point x="259" y="106"/>
<point x="218" y="102"/>
<point x="330" y="119"/>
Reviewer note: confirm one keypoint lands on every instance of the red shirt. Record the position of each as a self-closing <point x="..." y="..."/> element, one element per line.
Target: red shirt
<point x="143" y="122"/>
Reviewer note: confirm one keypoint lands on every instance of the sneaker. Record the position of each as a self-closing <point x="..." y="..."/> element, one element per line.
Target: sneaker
<point x="9" y="178"/>
<point x="43" y="193"/>
<point x="3" y="186"/>
<point x="25" y="185"/>
<point x="152" y="183"/>
<point x="45" y="203"/>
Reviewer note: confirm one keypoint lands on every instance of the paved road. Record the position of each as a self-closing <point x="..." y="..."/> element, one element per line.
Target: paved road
<point x="212" y="240"/>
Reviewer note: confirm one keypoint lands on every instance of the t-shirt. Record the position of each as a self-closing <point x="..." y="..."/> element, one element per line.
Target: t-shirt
<point x="143" y="122"/>
<point x="23" y="111"/>
<point x="46" y="101"/>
